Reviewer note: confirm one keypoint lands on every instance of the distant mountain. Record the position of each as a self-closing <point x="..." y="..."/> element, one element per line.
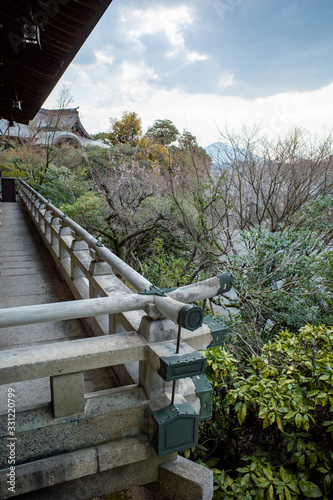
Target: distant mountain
<point x="223" y="154"/>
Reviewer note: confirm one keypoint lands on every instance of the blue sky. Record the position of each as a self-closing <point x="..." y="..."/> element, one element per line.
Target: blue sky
<point x="208" y="64"/>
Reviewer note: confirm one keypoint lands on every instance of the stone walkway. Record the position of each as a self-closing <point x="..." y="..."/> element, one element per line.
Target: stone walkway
<point x="27" y="277"/>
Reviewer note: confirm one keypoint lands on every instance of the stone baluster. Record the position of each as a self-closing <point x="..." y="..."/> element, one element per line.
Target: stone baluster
<point x="98" y="267"/>
<point x="55" y="225"/>
<point x="78" y="245"/>
<point x="67" y="392"/>
<point x="47" y="221"/>
<point x="64" y="230"/>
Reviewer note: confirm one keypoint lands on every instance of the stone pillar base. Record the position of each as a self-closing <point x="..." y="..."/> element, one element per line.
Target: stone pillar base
<point x="183" y="480"/>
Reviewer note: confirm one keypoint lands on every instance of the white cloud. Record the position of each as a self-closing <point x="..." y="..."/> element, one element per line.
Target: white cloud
<point x="201" y="114"/>
<point x="135" y="82"/>
<point x="195" y="56"/>
<point x="226" y="80"/>
<point x="168" y="21"/>
<point x="84" y="79"/>
<point x="103" y="57"/>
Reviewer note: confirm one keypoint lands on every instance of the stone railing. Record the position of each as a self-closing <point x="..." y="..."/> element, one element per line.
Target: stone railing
<point x="150" y="338"/>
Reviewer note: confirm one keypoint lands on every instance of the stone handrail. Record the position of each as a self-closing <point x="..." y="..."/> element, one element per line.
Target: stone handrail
<point x="52" y="217"/>
<point x="88" y="268"/>
<point x="148" y="336"/>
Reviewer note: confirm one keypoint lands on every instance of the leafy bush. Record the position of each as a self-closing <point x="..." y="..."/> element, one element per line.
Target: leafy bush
<point x="86" y="211"/>
<point x="167" y="269"/>
<point x="13" y="169"/>
<point x="63" y="185"/>
<point x="271" y="434"/>
<point x="282" y="280"/>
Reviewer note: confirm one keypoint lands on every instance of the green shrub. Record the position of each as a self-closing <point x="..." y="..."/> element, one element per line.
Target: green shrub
<point x="271" y="435"/>
<point x="282" y="280"/>
<point x="167" y="269"/>
<point x="63" y="185"/>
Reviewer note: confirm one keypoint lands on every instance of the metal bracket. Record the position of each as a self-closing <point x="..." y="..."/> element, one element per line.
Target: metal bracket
<point x="218" y="329"/>
<point x="190" y="317"/>
<point x="99" y="242"/>
<point x="182" y="366"/>
<point x="226" y="281"/>
<point x="169" y="289"/>
<point x="154" y="290"/>
<point x="204" y="391"/>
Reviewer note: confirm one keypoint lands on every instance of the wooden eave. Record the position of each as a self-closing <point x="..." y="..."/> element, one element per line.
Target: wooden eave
<point x="29" y="73"/>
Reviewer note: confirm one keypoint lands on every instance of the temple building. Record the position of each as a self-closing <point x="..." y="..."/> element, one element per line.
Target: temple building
<point x="50" y="126"/>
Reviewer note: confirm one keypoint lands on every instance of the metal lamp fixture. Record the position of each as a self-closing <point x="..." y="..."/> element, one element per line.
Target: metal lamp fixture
<point x="31" y="30"/>
<point x="31" y="34"/>
<point x="17" y="104"/>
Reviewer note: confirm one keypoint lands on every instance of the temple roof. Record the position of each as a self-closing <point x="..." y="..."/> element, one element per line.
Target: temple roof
<point x="57" y="124"/>
<point x="29" y="71"/>
<point x="61" y="120"/>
